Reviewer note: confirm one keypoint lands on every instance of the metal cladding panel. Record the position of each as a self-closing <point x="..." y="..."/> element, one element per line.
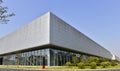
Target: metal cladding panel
<point x="117" y="58"/>
<point x="49" y="29"/>
<point x="33" y="34"/>
<point x="62" y="34"/>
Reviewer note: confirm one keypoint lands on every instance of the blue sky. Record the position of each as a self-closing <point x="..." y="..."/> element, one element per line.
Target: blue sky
<point x="98" y="19"/>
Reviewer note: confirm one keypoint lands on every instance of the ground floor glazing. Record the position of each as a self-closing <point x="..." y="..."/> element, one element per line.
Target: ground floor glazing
<point x="53" y="57"/>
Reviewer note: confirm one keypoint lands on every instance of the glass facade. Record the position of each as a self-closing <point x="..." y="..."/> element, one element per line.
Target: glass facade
<point x="59" y="57"/>
<point x="32" y="58"/>
<point x="53" y="57"/>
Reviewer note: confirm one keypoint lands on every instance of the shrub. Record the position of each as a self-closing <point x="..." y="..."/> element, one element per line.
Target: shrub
<point x="81" y="65"/>
<point x="75" y="60"/>
<point x="84" y="60"/>
<point x="93" y="65"/>
<point x="68" y="64"/>
<point x="105" y="64"/>
<point x="73" y="64"/>
<point x="113" y="63"/>
<point x="93" y="59"/>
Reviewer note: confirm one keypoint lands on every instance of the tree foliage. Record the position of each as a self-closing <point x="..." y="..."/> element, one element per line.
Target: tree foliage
<point x="93" y="59"/>
<point x="75" y="60"/>
<point x="84" y="60"/>
<point x="92" y="62"/>
<point x="105" y="64"/>
<point x="113" y="62"/>
<point x="81" y="65"/>
<point x="4" y="15"/>
<point x="103" y="59"/>
<point x="68" y="64"/>
<point x="93" y="65"/>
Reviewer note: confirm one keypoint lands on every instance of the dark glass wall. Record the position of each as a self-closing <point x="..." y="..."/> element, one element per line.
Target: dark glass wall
<point x="31" y="58"/>
<point x="59" y="57"/>
<point x="53" y="57"/>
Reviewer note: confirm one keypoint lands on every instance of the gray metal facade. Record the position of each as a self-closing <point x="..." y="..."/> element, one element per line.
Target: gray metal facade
<point x="49" y="29"/>
<point x="36" y="33"/>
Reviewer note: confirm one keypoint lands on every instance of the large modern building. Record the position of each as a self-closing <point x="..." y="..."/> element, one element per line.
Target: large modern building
<point x="50" y="37"/>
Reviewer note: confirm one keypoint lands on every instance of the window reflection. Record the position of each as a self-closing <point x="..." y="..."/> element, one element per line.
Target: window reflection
<point x="35" y="58"/>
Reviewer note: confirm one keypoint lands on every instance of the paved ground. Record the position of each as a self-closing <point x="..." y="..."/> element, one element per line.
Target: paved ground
<point x="1" y="69"/>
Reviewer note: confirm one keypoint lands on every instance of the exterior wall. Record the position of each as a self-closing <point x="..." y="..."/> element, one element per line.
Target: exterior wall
<point x="117" y="58"/>
<point x="30" y="58"/>
<point x="62" y="34"/>
<point x="33" y="34"/>
<point x="49" y="29"/>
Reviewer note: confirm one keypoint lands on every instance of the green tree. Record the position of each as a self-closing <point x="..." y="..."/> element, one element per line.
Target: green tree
<point x="93" y="65"/>
<point x="3" y="13"/>
<point x="81" y="65"/>
<point x="84" y="59"/>
<point x="113" y="62"/>
<point x="75" y="60"/>
<point x="93" y="59"/>
<point x="103" y="59"/>
<point x="68" y="64"/>
<point x="105" y="64"/>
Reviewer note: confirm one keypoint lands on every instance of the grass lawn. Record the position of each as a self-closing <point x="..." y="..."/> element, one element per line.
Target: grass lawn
<point x="53" y="67"/>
